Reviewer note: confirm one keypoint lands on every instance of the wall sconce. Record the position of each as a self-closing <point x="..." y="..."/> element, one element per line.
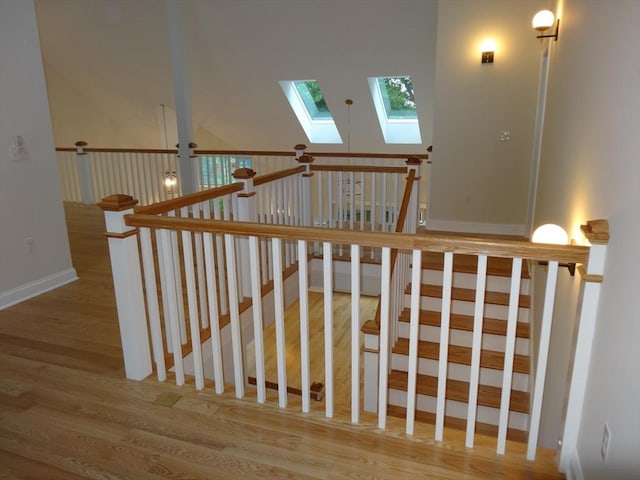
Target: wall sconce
<point x="170" y="181"/>
<point x="542" y="21"/>
<point x="487" y="49"/>
<point x="554" y="234"/>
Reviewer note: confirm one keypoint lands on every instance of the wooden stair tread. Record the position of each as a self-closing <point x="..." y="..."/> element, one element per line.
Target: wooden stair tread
<point x="459" y="391"/>
<point x="496" y="266"/>
<point x="462" y="355"/>
<point x="465" y="322"/>
<point x="459" y="424"/>
<point x="469" y="295"/>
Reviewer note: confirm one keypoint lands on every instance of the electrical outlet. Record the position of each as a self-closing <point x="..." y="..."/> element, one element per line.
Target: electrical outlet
<point x="606" y="439"/>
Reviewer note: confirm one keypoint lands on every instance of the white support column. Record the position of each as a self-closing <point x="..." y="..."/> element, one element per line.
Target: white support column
<point x="307" y="185"/>
<point x="84" y="174"/>
<point x="182" y="95"/>
<point x="127" y="282"/>
<point x="247" y="212"/>
<point x="597" y="232"/>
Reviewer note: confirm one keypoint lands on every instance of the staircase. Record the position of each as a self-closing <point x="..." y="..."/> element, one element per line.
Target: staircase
<point x="460" y="341"/>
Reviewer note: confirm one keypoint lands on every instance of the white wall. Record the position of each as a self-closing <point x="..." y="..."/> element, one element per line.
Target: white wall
<point x="115" y="53"/>
<point x="590" y="170"/>
<point x="30" y="200"/>
<point x="476" y="176"/>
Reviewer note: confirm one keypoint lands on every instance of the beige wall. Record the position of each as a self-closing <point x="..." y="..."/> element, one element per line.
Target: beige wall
<point x="590" y="170"/>
<point x="30" y="201"/>
<point x="476" y="176"/>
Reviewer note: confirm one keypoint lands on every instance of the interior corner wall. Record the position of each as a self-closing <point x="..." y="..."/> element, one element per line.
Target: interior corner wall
<point x="589" y="169"/>
<point x="477" y="177"/>
<point x="30" y="199"/>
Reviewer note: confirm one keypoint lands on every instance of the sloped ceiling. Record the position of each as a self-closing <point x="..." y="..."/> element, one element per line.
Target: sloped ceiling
<point x="115" y="54"/>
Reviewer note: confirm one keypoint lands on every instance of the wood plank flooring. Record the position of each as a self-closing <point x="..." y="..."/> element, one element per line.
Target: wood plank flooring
<point x="68" y="413"/>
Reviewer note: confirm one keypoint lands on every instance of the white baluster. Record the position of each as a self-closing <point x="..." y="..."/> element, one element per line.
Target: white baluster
<point x="234" y="313"/>
<point x="384" y="344"/>
<point x="543" y="353"/>
<point x="414" y="332"/>
<point x="444" y="344"/>
<point x="303" y="284"/>
<point x="258" y="326"/>
<point x="476" y="348"/>
<point x="192" y="301"/>
<point x="355" y="333"/>
<point x="327" y="263"/>
<point x="278" y="299"/>
<point x="512" y="322"/>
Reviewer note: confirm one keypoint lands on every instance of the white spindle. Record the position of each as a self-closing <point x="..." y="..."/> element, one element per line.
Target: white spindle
<point x="362" y="195"/>
<point x="512" y="321"/>
<point x="330" y="199"/>
<point x="258" y="327"/>
<point x="414" y="332"/>
<point x="192" y="301"/>
<point x="212" y="298"/>
<point x="278" y="299"/>
<point x="163" y="286"/>
<point x="476" y="348"/>
<point x="220" y="255"/>
<point x="236" y="339"/>
<point x="355" y="333"/>
<point x="543" y="353"/>
<point x="303" y="283"/>
<point x="178" y="282"/>
<point x="202" y="288"/>
<point x="444" y="344"/>
<point x="384" y="347"/>
<point x="171" y="287"/>
<point x="383" y="204"/>
<point x="340" y="194"/>
<point x="327" y="261"/>
<point x="319" y="184"/>
<point x="153" y="311"/>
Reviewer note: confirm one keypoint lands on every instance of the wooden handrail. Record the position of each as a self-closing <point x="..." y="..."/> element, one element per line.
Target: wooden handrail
<point x="250" y="153"/>
<point x="357" y="168"/>
<point x="271" y="177"/>
<point x="190" y="199"/>
<point x="425" y="241"/>
<point x="118" y="150"/>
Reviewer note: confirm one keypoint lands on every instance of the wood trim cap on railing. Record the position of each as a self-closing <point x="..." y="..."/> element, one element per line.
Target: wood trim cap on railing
<point x="117" y="202"/>
<point x="414" y="161"/>
<point x="305" y="159"/>
<point x="596" y="231"/>
<point x="81" y="143"/>
<point x="243" y="173"/>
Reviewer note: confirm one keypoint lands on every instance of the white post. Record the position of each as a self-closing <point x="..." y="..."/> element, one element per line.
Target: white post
<point x="84" y="174"/>
<point x="307" y="185"/>
<point x="247" y="212"/>
<point x="597" y="232"/>
<point x="127" y="282"/>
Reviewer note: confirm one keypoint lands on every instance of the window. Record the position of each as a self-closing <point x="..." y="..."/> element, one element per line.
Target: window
<point x="394" y="100"/>
<point x="218" y="170"/>
<point x="310" y="107"/>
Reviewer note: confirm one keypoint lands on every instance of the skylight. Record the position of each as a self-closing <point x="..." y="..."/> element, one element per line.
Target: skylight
<point x="308" y="103"/>
<point x="394" y="100"/>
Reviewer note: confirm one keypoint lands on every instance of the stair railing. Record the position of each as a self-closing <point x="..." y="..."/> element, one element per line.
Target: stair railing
<point x="196" y="245"/>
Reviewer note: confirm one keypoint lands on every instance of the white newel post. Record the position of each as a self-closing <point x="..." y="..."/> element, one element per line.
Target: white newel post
<point x="127" y="283"/>
<point x="413" y="163"/>
<point x="84" y="174"/>
<point x="247" y="212"/>
<point x="597" y="232"/>
<point x="307" y="178"/>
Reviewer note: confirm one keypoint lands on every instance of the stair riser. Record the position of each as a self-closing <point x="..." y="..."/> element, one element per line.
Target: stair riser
<point x="500" y="312"/>
<point x="468" y="280"/>
<point x="457" y="409"/>
<point x="464" y="338"/>
<point x="456" y="371"/>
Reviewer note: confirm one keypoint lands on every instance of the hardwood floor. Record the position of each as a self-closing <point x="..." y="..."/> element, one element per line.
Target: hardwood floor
<point x="67" y="412"/>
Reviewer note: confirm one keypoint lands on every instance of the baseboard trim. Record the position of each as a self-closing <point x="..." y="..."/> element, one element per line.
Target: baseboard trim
<point x="574" y="472"/>
<point x="37" y="287"/>
<point x="475" y="227"/>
